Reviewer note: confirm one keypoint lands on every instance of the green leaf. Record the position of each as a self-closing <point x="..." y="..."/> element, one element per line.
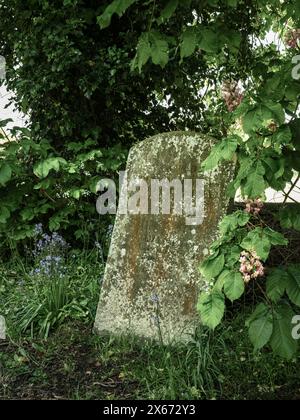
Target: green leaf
<point x="3" y="123"/>
<point x="4" y="214"/>
<point x="256" y="240"/>
<point x="260" y="330"/>
<point x="254" y="119"/>
<point x="232" y="3"/>
<point x="151" y="45"/>
<point x="117" y="6"/>
<point x="255" y="184"/>
<point x="282" y="342"/>
<point x="159" y="49"/>
<point x="276" y="238"/>
<point x="188" y="42"/>
<point x="282" y="136"/>
<point x="5" y="173"/>
<point x="209" y="40"/>
<point x="27" y="214"/>
<point x="290" y="217"/>
<point x="42" y="169"/>
<point x="233" y="256"/>
<point x="277" y="110"/>
<point x="234" y="285"/>
<point x="231" y="222"/>
<point x="211" y="268"/>
<point x="168" y="11"/>
<point x="260" y="311"/>
<point x="219" y="284"/>
<point x="293" y="284"/>
<point x="224" y="150"/>
<point x="276" y="284"/>
<point x="143" y="50"/>
<point x="211" y="307"/>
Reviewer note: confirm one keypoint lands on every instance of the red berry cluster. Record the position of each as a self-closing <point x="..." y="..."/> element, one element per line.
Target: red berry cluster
<point x="292" y="37"/>
<point x="251" y="267"/>
<point x="232" y="95"/>
<point x="254" y="206"/>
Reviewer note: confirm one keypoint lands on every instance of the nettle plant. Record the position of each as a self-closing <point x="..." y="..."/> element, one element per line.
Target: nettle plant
<point x="257" y="95"/>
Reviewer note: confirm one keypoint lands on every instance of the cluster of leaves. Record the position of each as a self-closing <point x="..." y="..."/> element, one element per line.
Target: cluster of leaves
<point x="85" y="108"/>
<point x="90" y="77"/>
<point x="261" y="135"/>
<point x="271" y="321"/>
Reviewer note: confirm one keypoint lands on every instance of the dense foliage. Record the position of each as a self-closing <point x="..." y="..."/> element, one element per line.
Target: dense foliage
<point x="85" y="105"/>
<point x="96" y="78"/>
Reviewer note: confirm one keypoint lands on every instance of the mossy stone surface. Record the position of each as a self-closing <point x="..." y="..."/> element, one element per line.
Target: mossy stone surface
<point x="151" y="282"/>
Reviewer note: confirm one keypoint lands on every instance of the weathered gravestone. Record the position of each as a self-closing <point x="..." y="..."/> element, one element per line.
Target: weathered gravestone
<point x="151" y="281"/>
<point x="2" y="328"/>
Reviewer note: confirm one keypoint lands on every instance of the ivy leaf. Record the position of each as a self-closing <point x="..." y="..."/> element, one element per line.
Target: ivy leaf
<point x="188" y="42"/>
<point x="276" y="284"/>
<point x="212" y="267"/>
<point x="117" y="6"/>
<point x="255" y="184"/>
<point x="211" y="307"/>
<point x="234" y="285"/>
<point x="5" y="173"/>
<point x="293" y="284"/>
<point x="282" y="342"/>
<point x="261" y="329"/>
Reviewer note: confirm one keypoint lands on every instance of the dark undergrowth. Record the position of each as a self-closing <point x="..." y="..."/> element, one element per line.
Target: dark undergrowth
<point x="76" y="364"/>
